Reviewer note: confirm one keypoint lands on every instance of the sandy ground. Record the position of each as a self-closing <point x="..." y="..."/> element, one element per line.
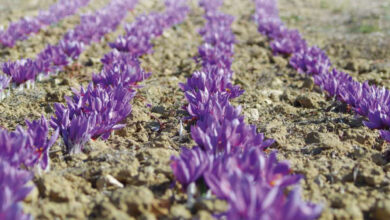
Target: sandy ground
<point x="345" y="164"/>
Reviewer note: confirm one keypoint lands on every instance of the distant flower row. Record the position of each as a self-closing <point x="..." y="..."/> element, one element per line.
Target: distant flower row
<point x="367" y="100"/>
<point x="20" y="30"/>
<point x="98" y="110"/>
<point x="229" y="156"/>
<point x="53" y="58"/>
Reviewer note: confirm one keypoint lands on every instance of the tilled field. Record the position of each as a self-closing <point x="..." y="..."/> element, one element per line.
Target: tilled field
<point x="345" y="164"/>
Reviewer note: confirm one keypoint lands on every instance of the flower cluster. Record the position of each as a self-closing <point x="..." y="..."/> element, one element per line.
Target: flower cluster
<point x="99" y="109"/>
<point x="54" y="57"/>
<point x="30" y="148"/>
<point x="366" y="100"/>
<point x="21" y="29"/>
<point x="229" y="155"/>
<point x="91" y="113"/>
<point x="13" y="190"/>
<point x="138" y="34"/>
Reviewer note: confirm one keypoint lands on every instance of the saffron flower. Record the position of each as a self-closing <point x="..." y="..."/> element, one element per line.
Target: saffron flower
<point x="38" y="132"/>
<point x="20" y="70"/>
<point x="310" y="61"/>
<point x="190" y="165"/>
<point x="13" y="190"/>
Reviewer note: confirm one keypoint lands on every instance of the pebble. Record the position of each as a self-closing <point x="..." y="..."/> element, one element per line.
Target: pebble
<point x="108" y="181"/>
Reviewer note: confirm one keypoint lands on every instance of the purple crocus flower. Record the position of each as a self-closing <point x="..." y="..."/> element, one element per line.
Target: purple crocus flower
<point x="219" y="56"/>
<point x="91" y="113"/>
<point x="4" y="83"/>
<point x="13" y="190"/>
<point x="75" y="131"/>
<point x="190" y="165"/>
<point x="38" y="131"/>
<point x="229" y="134"/>
<point x="311" y="61"/>
<point x="289" y="42"/>
<point x="20" y="70"/>
<point x="72" y="49"/>
<point x="249" y="200"/>
<point x="254" y="163"/>
<point x="211" y="5"/>
<point x="133" y="45"/>
<point x="21" y="29"/>
<point x="125" y="72"/>
<point x="332" y="82"/>
<point x="214" y="80"/>
<point x="15" y="147"/>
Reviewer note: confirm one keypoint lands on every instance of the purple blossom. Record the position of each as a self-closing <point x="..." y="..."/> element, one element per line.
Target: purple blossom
<point x="28" y="147"/>
<point x="21" y="29"/>
<point x="190" y="165"/>
<point x="228" y="134"/>
<point x="126" y="74"/>
<point x="133" y="45"/>
<point x="15" y="147"/>
<point x="4" y="82"/>
<point x="333" y="82"/>
<point x="13" y="190"/>
<point x="219" y="56"/>
<point x="139" y="33"/>
<point x="91" y="113"/>
<point x="249" y="200"/>
<point x="210" y="5"/>
<point x="75" y="131"/>
<point x="289" y="42"/>
<point x="52" y="58"/>
<point x="310" y="61"/>
<point x="214" y="80"/>
<point x="72" y="49"/>
<point x="38" y="131"/>
<point x="253" y="163"/>
<point x="20" y="70"/>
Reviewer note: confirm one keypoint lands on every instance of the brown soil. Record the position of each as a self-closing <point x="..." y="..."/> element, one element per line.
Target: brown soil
<point x="345" y="164"/>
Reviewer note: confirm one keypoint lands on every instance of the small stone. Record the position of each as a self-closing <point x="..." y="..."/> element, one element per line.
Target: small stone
<point x="306" y="101"/>
<point x="108" y="181"/>
<point x="312" y="137"/>
<point x="158" y="109"/>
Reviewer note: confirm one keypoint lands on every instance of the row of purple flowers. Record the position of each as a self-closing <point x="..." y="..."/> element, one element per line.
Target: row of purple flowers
<point x="90" y="113"/>
<point x="97" y="110"/>
<point x="229" y="156"/>
<point x="53" y="58"/>
<point x="29" y="148"/>
<point x="21" y="29"/>
<point x="366" y="100"/>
